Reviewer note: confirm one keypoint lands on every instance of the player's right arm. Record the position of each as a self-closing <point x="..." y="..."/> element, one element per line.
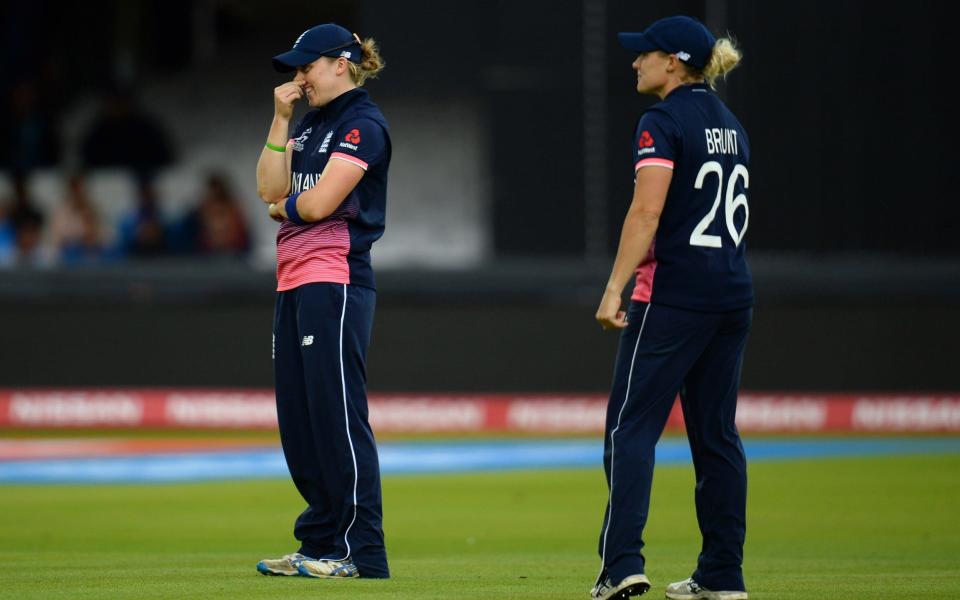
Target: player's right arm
<point x="656" y="139"/>
<point x="639" y="228"/>
<point x="273" y="168"/>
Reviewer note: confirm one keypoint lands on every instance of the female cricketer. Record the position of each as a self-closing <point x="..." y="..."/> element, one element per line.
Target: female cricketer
<point x="327" y="186"/>
<point x="690" y="312"/>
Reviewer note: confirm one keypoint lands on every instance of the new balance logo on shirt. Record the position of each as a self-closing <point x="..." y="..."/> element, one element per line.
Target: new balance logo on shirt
<point x="307" y="340"/>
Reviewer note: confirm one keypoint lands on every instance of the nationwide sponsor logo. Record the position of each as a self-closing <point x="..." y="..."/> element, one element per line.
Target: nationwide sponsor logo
<point x="646" y="140"/>
<point x="782" y="413"/>
<point x="298" y="141"/>
<point x="557" y="414"/>
<point x="907" y="414"/>
<point x="75" y="409"/>
<point x="221" y="410"/>
<point x="428" y="414"/>
<point x="325" y="143"/>
<point x="307" y="340"/>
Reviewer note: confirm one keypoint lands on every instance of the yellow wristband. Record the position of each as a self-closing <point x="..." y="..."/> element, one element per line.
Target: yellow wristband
<point x="276" y="148"/>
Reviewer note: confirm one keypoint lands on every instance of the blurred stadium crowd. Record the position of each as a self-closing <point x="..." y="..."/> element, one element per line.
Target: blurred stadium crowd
<point x="73" y="231"/>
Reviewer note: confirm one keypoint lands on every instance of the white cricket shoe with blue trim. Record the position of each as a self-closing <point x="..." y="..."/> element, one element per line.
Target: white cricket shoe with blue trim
<point x="633" y="585"/>
<point x="328" y="569"/>
<point x="285" y="565"/>
<point x="688" y="589"/>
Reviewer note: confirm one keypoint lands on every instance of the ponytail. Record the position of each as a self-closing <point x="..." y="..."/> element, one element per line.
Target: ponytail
<point x="371" y="63"/>
<point x="724" y="58"/>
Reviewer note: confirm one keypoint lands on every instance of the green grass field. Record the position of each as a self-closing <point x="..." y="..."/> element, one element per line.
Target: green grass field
<point x="838" y="528"/>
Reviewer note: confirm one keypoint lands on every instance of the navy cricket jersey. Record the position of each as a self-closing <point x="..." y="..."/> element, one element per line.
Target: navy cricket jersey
<point x="697" y="258"/>
<point x="337" y="249"/>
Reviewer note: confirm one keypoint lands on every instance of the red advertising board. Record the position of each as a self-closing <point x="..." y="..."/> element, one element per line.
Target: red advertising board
<point x="429" y="413"/>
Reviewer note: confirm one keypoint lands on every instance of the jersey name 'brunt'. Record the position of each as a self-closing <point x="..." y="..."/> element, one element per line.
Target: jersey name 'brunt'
<point x="697" y="258"/>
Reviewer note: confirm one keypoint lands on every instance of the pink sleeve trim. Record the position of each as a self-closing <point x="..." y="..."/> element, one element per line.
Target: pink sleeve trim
<point x="653" y="162"/>
<point x="350" y="159"/>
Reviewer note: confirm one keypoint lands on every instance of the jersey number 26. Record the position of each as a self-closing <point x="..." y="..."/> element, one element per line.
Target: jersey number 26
<point x="699" y="237"/>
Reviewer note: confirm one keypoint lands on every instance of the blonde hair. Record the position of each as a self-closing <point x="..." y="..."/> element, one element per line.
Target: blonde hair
<point x="724" y="58"/>
<point x="371" y="63"/>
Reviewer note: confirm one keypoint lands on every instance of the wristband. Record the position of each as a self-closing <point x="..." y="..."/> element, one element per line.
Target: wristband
<point x="276" y="148"/>
<point x="291" y="208"/>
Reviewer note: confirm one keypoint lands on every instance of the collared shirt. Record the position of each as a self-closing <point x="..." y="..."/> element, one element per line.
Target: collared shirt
<point x="337" y="249"/>
<point x="697" y="259"/>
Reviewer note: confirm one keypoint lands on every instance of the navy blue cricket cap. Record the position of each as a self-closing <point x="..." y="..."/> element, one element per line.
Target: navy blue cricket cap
<point x="686" y="37"/>
<point x="328" y="39"/>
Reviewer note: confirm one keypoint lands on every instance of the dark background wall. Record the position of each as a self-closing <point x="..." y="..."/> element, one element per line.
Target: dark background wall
<point x="507" y="348"/>
<point x="845" y="103"/>
<point x="497" y="329"/>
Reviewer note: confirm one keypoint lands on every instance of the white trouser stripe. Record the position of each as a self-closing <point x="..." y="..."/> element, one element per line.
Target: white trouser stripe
<point x="613" y="447"/>
<point x="346" y="417"/>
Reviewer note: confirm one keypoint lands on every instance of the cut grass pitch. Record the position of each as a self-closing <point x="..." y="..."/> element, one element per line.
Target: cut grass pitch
<point x="841" y="528"/>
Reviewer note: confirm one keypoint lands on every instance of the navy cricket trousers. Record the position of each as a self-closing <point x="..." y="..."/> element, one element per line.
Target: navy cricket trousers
<point x="664" y="351"/>
<point x="321" y="333"/>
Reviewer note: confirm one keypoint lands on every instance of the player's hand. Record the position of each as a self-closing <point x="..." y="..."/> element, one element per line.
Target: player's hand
<point x="285" y="96"/>
<point x="274" y="211"/>
<point x="609" y="314"/>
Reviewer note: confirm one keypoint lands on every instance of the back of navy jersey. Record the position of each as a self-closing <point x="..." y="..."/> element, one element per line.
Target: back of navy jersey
<point x="697" y="259"/>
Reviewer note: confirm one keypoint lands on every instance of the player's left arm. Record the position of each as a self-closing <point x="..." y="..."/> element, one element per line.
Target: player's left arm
<point x="361" y="143"/>
<point x="639" y="227"/>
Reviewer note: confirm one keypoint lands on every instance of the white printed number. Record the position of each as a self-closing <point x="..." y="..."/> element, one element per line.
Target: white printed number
<point x="699" y="237"/>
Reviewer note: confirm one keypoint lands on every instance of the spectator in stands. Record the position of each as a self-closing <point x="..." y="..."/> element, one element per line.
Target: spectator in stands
<point x="124" y="135"/>
<point x="216" y="226"/>
<point x="142" y="233"/>
<point x="28" y="131"/>
<point x="28" y="228"/>
<point x="75" y="230"/>
<point x="8" y="237"/>
<point x="21" y="226"/>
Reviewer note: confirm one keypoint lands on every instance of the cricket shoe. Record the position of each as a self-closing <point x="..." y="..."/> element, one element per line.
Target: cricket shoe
<point x="328" y="569"/>
<point x="633" y="585"/>
<point x="688" y="589"/>
<point x="285" y="565"/>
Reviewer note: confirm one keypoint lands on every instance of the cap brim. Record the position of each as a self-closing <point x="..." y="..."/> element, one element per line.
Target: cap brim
<point x="289" y="61"/>
<point x="636" y="42"/>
